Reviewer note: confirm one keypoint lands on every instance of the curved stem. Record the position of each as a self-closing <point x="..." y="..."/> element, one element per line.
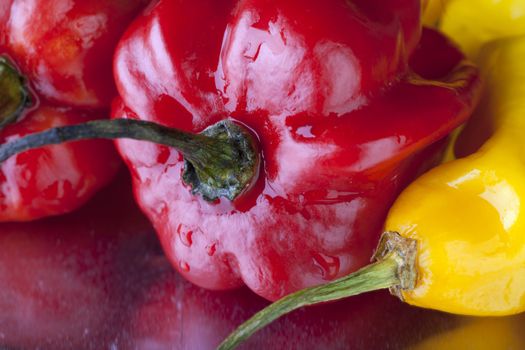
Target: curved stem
<point x="395" y="269"/>
<point x="105" y="129"/>
<point x="377" y="276"/>
<point x="223" y="160"/>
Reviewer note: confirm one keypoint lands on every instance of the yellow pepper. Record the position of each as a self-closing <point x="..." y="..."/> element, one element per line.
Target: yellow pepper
<point x="468" y="215"/>
<point x="459" y="240"/>
<point x="485" y="187"/>
<point x="472" y="23"/>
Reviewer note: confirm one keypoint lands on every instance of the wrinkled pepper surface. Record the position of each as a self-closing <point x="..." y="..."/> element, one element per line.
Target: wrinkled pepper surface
<point x="348" y="101"/>
<point x="55" y="69"/>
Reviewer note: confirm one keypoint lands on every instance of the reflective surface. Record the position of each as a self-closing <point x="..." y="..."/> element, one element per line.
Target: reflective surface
<point x="97" y="279"/>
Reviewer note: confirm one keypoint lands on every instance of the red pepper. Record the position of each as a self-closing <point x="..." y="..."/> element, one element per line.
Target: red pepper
<point x="64" y="50"/>
<point x="345" y="108"/>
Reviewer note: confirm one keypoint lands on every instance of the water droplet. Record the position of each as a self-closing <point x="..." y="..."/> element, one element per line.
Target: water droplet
<point x="185" y="235"/>
<point x="184" y="266"/>
<point x="211" y="249"/>
<point x="328" y="265"/>
<point x="186" y="238"/>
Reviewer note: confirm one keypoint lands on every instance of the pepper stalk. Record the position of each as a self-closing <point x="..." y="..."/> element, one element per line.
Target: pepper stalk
<point x="222" y="161"/>
<point x="394" y="269"/>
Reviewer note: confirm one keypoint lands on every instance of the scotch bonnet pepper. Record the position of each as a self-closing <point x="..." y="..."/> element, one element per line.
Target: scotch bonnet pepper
<point x="432" y="12"/>
<point x="55" y="70"/>
<point x="342" y="122"/>
<point x="315" y="115"/>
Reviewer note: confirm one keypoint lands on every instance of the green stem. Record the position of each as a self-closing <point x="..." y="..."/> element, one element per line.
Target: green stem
<point x="222" y="161"/>
<point x="14" y="95"/>
<point x="396" y="269"/>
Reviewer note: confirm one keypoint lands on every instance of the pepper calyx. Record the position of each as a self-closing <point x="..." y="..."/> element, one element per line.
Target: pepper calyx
<point x="230" y="169"/>
<point x="404" y="251"/>
<point x="14" y="94"/>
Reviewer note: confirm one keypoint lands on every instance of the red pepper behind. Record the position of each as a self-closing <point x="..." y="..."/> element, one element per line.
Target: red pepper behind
<point x="71" y="282"/>
<point x="343" y="123"/>
<point x="64" y="50"/>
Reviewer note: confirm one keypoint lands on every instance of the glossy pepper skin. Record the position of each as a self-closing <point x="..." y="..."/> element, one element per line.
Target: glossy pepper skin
<point x="64" y="50"/>
<point x="342" y="120"/>
<point x="467" y="215"/>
